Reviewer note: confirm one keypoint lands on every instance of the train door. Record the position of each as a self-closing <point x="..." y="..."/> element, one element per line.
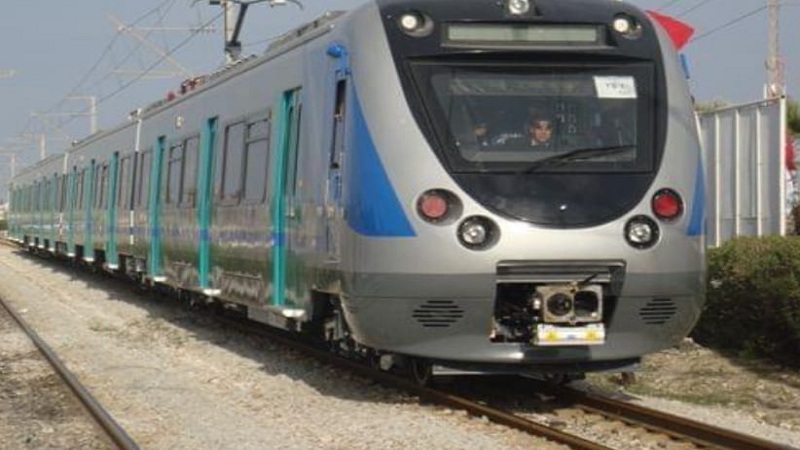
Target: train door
<point x="333" y="197"/>
<point x="284" y="207"/>
<point x="72" y="202"/>
<point x="154" y="211"/>
<point x="204" y="196"/>
<point x="112" y="258"/>
<point x="53" y="212"/>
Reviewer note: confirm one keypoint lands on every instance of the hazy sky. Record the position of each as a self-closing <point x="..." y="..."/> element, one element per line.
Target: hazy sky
<point x="59" y="49"/>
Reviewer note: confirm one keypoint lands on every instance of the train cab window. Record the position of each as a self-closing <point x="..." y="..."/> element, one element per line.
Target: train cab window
<point x="230" y="175"/>
<point x="600" y="117"/>
<point x="256" y="161"/>
<point x="189" y="185"/>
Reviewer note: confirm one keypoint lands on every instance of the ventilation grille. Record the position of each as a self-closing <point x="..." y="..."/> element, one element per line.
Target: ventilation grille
<point x="658" y="311"/>
<point x="438" y="313"/>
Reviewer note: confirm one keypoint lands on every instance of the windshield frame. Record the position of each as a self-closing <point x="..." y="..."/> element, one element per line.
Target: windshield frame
<point x="455" y="155"/>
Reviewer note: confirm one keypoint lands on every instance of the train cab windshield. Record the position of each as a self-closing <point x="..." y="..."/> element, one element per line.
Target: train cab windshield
<point x="525" y="119"/>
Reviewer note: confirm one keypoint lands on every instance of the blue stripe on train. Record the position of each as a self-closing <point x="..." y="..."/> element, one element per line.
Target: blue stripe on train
<point x="697" y="219"/>
<point x="373" y="208"/>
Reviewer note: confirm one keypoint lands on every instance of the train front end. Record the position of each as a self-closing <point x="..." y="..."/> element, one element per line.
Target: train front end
<point x="579" y="251"/>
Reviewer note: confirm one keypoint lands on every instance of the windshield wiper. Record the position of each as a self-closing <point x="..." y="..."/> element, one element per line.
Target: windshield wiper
<point x="574" y="155"/>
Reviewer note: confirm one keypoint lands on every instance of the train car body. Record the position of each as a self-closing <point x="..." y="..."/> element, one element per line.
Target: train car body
<point x="335" y="184"/>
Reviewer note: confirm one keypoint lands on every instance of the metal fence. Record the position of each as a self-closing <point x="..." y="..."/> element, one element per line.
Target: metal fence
<point x="746" y="176"/>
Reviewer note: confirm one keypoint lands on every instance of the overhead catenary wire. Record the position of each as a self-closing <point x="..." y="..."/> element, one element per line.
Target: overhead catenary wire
<point x="168" y="4"/>
<point x="729" y="23"/>
<point x="106" y="51"/>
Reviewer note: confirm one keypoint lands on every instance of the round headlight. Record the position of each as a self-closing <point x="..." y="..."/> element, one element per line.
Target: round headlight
<point x="622" y="25"/>
<point x="641" y="232"/>
<point x="415" y="24"/>
<point x="410" y="22"/>
<point x="518" y="7"/>
<point x="477" y="233"/>
<point x="474" y="233"/>
<point x="627" y="26"/>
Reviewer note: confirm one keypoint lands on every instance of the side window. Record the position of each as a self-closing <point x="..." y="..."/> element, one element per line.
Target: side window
<point x="123" y="182"/>
<point x="294" y="142"/>
<point x="102" y="186"/>
<point x="189" y="189"/>
<point x="256" y="160"/>
<point x="143" y="178"/>
<point x="231" y="173"/>
<point x="174" y="170"/>
<point x="62" y="192"/>
<point x="81" y="182"/>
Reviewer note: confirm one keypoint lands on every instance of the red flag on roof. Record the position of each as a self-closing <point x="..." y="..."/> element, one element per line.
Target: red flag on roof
<point x="678" y="31"/>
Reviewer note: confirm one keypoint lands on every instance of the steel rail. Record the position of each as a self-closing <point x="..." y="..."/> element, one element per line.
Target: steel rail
<point x="114" y="431"/>
<point x="696" y="432"/>
<point x="406" y="385"/>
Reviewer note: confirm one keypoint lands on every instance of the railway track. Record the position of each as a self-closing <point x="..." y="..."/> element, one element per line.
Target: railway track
<point x="114" y="433"/>
<point x="644" y="425"/>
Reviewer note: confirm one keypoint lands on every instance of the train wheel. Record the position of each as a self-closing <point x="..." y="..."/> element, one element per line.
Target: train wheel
<point x="421" y="371"/>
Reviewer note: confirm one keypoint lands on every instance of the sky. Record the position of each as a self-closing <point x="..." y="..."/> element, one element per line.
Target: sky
<point x="62" y="53"/>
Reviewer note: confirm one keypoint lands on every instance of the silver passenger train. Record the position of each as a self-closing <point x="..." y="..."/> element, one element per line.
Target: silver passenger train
<point x="371" y="179"/>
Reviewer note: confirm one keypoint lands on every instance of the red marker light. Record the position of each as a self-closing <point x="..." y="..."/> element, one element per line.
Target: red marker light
<point x="667" y="205"/>
<point x="432" y="206"/>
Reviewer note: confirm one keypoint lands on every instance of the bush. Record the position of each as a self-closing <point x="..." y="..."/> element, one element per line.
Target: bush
<point x="3" y="224"/>
<point x="753" y="299"/>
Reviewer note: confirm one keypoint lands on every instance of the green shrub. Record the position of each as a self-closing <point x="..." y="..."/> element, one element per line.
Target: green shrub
<point x="3" y="224"/>
<point x="753" y="299"/>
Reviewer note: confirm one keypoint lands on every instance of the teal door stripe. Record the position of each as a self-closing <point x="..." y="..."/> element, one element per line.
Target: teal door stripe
<point x="111" y="212"/>
<point x="154" y="208"/>
<point x="207" y="138"/>
<point x="284" y="126"/>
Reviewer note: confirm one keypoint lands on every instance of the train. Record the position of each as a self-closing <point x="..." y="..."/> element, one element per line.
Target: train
<point x="333" y="186"/>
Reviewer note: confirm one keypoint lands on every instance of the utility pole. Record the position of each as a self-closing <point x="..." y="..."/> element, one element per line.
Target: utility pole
<point x="13" y="157"/>
<point x="92" y="100"/>
<point x="42" y="138"/>
<point x="132" y="32"/>
<point x="233" y="48"/>
<point x="775" y="80"/>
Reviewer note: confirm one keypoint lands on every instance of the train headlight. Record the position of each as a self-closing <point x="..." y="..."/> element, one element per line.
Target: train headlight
<point x="641" y="232"/>
<point x="627" y="26"/>
<point x="518" y="7"/>
<point x="415" y="24"/>
<point x="477" y="233"/>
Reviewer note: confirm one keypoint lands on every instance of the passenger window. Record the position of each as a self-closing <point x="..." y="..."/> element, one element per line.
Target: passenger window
<point x="189" y="189"/>
<point x="143" y="178"/>
<point x="232" y="162"/>
<point x="174" y="169"/>
<point x="256" y="161"/>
